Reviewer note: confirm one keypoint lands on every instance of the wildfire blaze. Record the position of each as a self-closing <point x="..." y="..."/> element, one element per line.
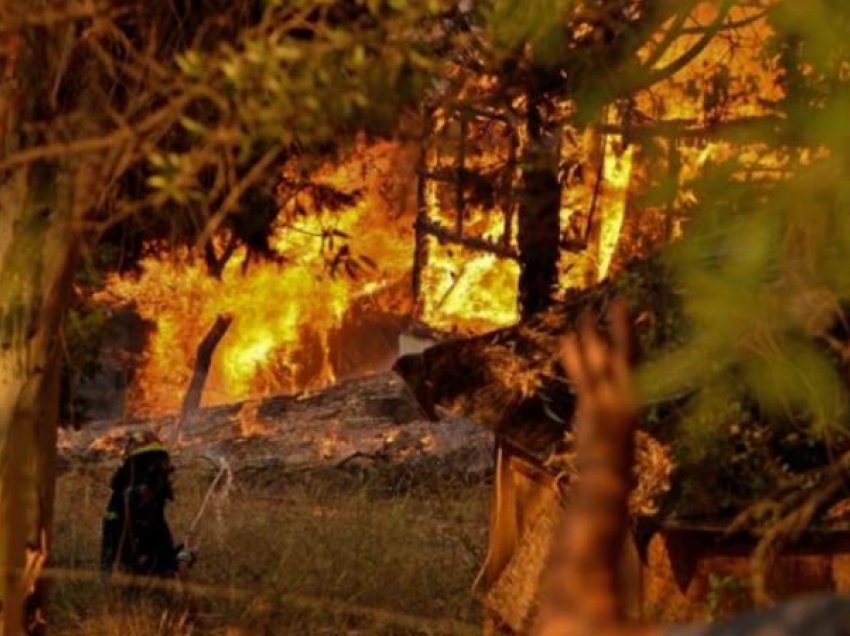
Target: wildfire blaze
<point x="297" y="323"/>
<point x="618" y="172"/>
<point x="292" y="319"/>
<point x="467" y="291"/>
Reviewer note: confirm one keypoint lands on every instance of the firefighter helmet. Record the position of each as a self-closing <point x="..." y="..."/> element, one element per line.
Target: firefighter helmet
<point x="142" y="441"/>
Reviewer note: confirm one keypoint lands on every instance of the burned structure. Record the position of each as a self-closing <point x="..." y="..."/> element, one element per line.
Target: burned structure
<point x="510" y="381"/>
<point x="482" y="255"/>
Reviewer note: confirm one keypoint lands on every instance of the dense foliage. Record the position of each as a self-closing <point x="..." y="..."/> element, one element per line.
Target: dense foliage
<point x="760" y="268"/>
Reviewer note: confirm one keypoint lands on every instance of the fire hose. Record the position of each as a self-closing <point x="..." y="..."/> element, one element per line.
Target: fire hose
<point x="224" y="470"/>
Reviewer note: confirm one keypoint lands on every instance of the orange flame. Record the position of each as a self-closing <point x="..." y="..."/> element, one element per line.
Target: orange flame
<point x="289" y="318"/>
<point x="284" y="315"/>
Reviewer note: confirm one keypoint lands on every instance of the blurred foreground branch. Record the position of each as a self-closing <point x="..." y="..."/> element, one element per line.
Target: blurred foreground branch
<point x="582" y="596"/>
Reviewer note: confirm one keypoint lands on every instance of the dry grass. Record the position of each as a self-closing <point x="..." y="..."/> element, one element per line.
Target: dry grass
<point x="314" y="557"/>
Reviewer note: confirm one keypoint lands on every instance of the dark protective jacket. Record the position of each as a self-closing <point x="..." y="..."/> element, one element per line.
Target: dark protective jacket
<point x="136" y="536"/>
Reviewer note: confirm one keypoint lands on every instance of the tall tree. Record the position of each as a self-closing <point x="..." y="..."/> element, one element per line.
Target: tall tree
<point x="539" y="228"/>
<point x="38" y="210"/>
<point x="553" y="65"/>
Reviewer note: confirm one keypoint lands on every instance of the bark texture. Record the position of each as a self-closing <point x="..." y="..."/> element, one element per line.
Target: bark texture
<point x="36" y="264"/>
<point x="37" y="254"/>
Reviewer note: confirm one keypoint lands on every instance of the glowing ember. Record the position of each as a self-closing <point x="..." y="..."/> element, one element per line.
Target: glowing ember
<point x="249" y="421"/>
<point x="329" y="445"/>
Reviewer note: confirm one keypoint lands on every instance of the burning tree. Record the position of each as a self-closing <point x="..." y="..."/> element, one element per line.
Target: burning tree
<point x="530" y="148"/>
<point x="715" y="113"/>
<point x="341" y="232"/>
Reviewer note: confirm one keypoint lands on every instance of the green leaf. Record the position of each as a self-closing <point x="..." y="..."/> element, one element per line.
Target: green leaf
<point x="157" y="182"/>
<point x="193" y="126"/>
<point x="798" y="381"/>
<point x="191" y="63"/>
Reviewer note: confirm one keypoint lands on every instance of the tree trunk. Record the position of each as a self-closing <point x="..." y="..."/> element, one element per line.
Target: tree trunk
<point x="36" y="266"/>
<point x="539" y="217"/>
<point x="37" y="256"/>
<point x="203" y="361"/>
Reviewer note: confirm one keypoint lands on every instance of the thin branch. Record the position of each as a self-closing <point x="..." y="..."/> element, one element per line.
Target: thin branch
<point x="94" y="144"/>
<point x="32" y="17"/>
<point x="672" y="34"/>
<point x="256" y="173"/>
<point x="145" y="61"/>
<point x="59" y="149"/>
<point x="691" y="54"/>
<point x="646" y="77"/>
<point x="445" y="235"/>
<point x="731" y="25"/>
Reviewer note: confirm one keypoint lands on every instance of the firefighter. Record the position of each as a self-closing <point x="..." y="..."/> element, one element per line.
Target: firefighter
<point x="136" y="537"/>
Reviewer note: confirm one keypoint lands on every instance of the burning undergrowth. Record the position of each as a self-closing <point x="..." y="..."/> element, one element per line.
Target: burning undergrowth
<point x="371" y="424"/>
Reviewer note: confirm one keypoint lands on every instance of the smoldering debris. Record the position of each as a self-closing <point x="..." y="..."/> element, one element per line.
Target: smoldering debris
<point x="358" y="425"/>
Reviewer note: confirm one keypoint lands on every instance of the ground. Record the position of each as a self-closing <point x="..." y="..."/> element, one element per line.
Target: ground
<point x="336" y="552"/>
<point x="349" y="513"/>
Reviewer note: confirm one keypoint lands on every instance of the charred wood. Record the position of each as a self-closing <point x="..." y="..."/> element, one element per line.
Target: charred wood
<point x="420" y="250"/>
<point x="510" y="381"/>
<point x="741" y="129"/>
<point x="446" y="235"/>
<point x="539" y="229"/>
<point x="203" y="360"/>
